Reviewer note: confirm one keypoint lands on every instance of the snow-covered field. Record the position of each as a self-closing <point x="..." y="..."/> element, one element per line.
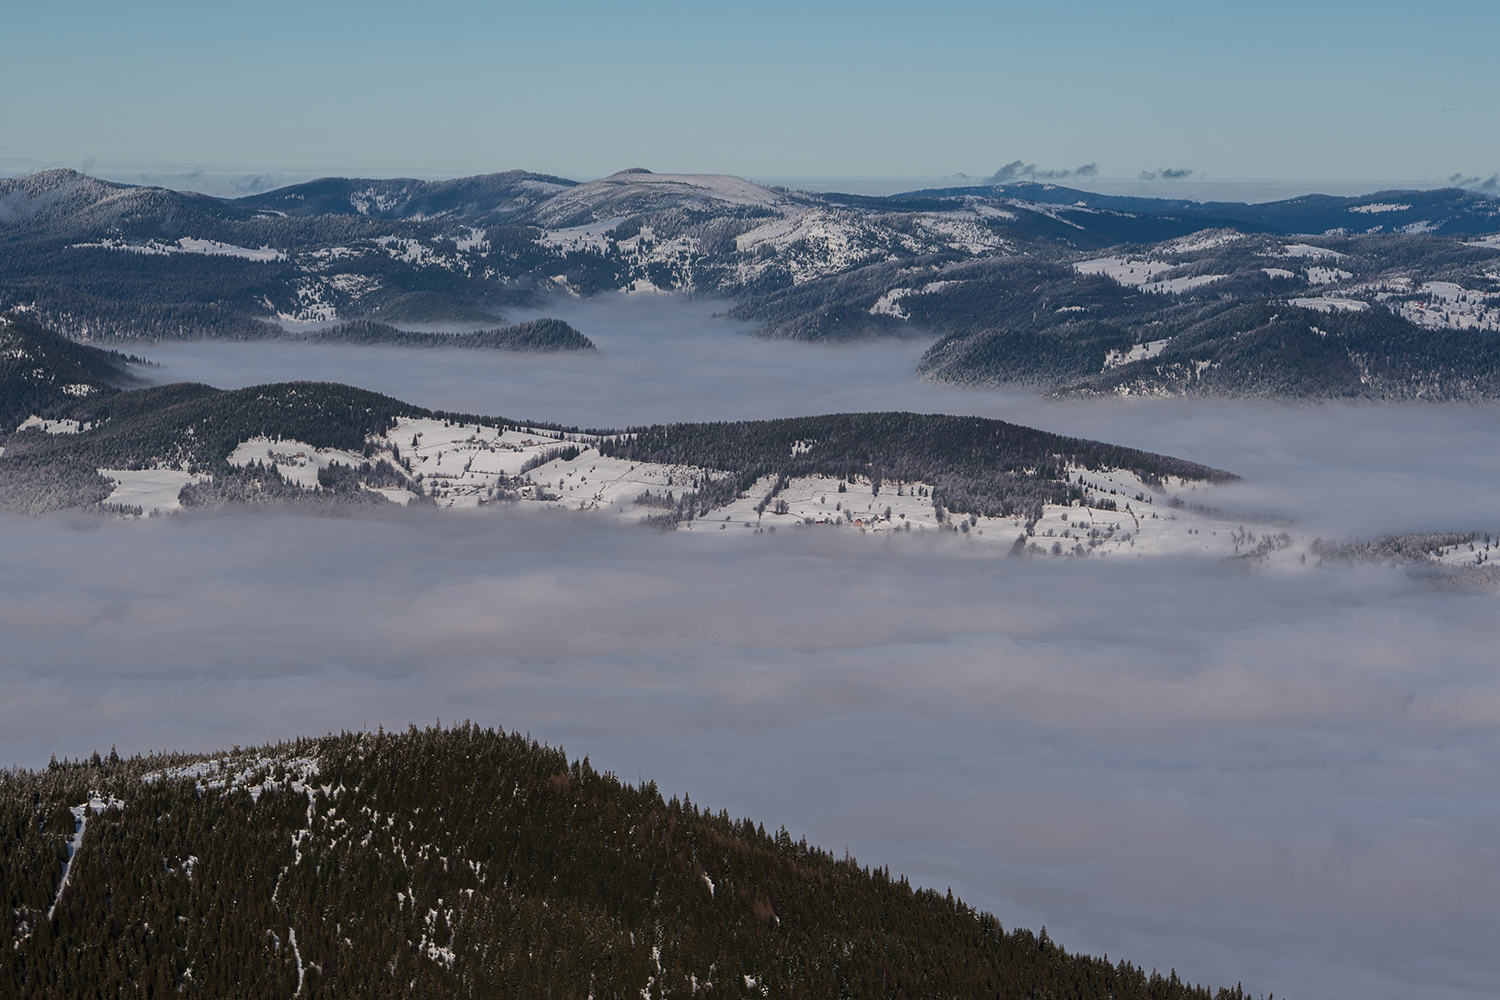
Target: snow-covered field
<point x="1125" y="270"/>
<point x="1329" y="303"/>
<point x="187" y="244"/>
<point x="1308" y="250"/>
<point x="1137" y="352"/>
<point x="1144" y="274"/>
<point x="149" y="489"/>
<point x="1446" y="305"/>
<point x="52" y="426"/>
<point x="1326" y="275"/>
<point x="580" y="238"/>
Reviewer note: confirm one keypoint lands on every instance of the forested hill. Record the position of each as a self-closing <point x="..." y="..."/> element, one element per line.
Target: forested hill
<point x="66" y="413"/>
<point x="977" y="465"/>
<point x="467" y="862"/>
<point x="41" y="371"/>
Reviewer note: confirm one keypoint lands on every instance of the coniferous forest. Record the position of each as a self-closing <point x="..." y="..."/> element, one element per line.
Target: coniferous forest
<point x="468" y="862"/>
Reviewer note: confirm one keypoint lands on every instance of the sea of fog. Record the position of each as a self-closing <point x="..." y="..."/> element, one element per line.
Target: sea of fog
<point x="1286" y="779"/>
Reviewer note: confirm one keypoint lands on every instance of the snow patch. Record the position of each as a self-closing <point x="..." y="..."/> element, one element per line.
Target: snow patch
<point x="1326" y="275"/>
<point x="187" y="244"/>
<point x="1330" y="304"/>
<point x="295" y="460"/>
<point x="148" y="489"/>
<point x="1138" y="352"/>
<point x="1308" y="250"/>
<point x="52" y="426"/>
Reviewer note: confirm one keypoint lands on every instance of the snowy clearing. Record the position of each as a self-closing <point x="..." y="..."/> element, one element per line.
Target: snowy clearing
<point x="1451" y="306"/>
<point x="578" y="238"/>
<point x="1125" y="270"/>
<point x="148" y="489"/>
<point x="1176" y="286"/>
<point x="295" y="460"/>
<point x="1138" y="352"/>
<point x="52" y="426"/>
<point x="1144" y="274"/>
<point x="1208" y="239"/>
<point x="1329" y="304"/>
<point x="187" y="244"/>
<point x="1308" y="250"/>
<point x="1326" y="275"/>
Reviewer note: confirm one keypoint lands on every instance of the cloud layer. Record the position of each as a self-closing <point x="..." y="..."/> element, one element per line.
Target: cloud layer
<point x="1020" y="170"/>
<point x="1167" y="174"/>
<point x="1285" y="780"/>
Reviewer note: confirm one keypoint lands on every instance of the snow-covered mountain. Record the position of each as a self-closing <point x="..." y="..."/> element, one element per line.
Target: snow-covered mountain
<point x="1017" y="283"/>
<point x="641" y="192"/>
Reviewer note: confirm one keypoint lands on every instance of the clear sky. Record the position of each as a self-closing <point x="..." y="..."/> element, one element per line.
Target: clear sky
<point x="1267" y="90"/>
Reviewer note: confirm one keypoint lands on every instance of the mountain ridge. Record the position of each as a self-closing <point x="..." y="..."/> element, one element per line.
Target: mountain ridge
<point x="469" y="861"/>
<point x="110" y="263"/>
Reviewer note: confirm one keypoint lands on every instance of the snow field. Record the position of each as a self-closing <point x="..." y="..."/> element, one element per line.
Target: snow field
<point x="1329" y="304"/>
<point x="1137" y="352"/>
<point x="1473" y="553"/>
<point x="889" y="304"/>
<point x="1125" y="270"/>
<point x="52" y="426"/>
<point x="1308" y="250"/>
<point x="578" y="238"/>
<point x="295" y="460"/>
<point x="152" y="490"/>
<point x="816" y="501"/>
<point x="1176" y="286"/>
<point x="1451" y="306"/>
<point x="1326" y="275"/>
<point x="1208" y="239"/>
<point x="1143" y="274"/>
<point x="254" y="774"/>
<point x="187" y="244"/>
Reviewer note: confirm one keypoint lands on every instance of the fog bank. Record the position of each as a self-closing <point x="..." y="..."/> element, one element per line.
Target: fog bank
<point x="1289" y="780"/>
<point x="1336" y="468"/>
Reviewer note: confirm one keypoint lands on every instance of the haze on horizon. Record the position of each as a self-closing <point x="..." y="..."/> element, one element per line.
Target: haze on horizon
<point x="1164" y="97"/>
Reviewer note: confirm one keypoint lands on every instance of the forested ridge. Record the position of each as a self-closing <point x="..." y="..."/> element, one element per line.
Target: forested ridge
<point x="468" y="862"/>
<point x="533" y="335"/>
<point x="974" y="465"/>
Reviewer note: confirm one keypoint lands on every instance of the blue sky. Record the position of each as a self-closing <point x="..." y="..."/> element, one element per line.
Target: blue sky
<point x="1267" y="90"/>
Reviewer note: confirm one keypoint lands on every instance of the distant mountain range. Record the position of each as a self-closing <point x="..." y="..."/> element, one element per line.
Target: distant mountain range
<point x="1017" y="283"/>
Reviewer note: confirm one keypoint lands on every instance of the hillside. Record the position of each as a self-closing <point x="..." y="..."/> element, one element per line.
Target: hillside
<point x="468" y="862"/>
<point x="543" y="335"/>
<point x="1224" y="313"/>
<point x="65" y="441"/>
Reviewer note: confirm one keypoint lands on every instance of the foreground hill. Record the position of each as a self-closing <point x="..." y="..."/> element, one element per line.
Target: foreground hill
<point x="468" y="862"/>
